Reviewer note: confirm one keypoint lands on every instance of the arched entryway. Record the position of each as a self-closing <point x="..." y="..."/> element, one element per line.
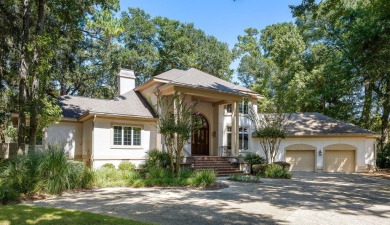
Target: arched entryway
<point x="200" y="137"/>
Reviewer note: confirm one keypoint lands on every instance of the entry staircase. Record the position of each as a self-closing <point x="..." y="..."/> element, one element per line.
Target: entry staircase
<point x="220" y="165"/>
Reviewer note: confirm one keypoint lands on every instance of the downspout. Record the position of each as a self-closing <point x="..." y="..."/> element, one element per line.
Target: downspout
<point x="93" y="140"/>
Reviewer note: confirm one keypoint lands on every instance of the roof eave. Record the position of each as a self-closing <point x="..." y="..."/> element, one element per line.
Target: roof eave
<point x="122" y="115"/>
<point x="150" y="83"/>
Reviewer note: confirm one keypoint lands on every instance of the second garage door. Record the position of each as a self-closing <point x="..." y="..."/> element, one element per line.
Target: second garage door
<point x="301" y="160"/>
<point x="339" y="161"/>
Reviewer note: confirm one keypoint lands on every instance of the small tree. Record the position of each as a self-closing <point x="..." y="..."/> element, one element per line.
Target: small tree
<point x="270" y="128"/>
<point x="176" y="121"/>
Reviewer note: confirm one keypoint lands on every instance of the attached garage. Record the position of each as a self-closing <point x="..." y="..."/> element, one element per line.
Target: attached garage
<point x="339" y="161"/>
<point x="301" y="160"/>
<point x="315" y="142"/>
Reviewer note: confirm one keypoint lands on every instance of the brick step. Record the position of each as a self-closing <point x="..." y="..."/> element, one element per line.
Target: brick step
<point x="211" y="158"/>
<point x="220" y="165"/>
<point x="213" y="166"/>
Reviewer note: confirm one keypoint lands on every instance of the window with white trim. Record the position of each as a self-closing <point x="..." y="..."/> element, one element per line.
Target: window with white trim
<point x="242" y="107"/>
<point x="126" y="136"/>
<point x="243" y="138"/>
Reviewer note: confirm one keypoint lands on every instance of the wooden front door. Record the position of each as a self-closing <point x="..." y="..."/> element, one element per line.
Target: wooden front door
<point x="200" y="138"/>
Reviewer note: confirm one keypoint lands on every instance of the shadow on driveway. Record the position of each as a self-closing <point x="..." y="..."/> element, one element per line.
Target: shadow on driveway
<point x="310" y="197"/>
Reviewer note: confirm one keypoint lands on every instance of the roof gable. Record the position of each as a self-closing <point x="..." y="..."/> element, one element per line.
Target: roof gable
<point x="196" y="78"/>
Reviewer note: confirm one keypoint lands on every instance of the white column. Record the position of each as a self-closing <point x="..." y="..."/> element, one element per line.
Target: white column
<point x="235" y="127"/>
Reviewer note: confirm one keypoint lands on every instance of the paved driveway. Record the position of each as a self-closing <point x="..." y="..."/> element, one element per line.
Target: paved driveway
<point x="308" y="198"/>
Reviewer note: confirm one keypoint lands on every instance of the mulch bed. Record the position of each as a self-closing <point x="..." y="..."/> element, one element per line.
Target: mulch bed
<point x="382" y="173"/>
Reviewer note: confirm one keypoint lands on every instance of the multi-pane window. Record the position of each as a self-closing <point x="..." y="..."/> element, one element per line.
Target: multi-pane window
<point x="242" y="107"/>
<point x="117" y="135"/>
<point x="243" y="138"/>
<point x="127" y="136"/>
<point x="229" y="137"/>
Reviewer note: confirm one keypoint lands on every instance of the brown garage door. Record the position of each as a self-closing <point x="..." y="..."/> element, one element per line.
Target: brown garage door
<point x="301" y="160"/>
<point x="339" y="161"/>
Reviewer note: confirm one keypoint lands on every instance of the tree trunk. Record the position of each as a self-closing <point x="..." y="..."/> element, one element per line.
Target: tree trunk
<point x="365" y="117"/>
<point x="23" y="71"/>
<point x="385" y="117"/>
<point x="34" y="107"/>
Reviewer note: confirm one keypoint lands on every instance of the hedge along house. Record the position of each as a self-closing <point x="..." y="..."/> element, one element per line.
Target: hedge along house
<point x="99" y="131"/>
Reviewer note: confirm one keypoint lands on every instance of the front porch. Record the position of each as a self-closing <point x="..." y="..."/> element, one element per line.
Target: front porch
<point x="211" y="109"/>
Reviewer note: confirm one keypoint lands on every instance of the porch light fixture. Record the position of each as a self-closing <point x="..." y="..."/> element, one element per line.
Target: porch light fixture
<point x="320" y="153"/>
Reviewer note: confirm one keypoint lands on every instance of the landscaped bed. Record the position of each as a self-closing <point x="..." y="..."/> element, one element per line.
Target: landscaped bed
<point x="20" y="214"/>
<point x="49" y="172"/>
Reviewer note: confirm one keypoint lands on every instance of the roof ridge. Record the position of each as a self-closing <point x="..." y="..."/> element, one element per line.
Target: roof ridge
<point x="76" y="96"/>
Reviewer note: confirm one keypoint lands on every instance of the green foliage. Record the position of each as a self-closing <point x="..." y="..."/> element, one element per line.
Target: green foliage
<point x="55" y="167"/>
<point x="108" y="166"/>
<point x="254" y="158"/>
<point x="259" y="168"/>
<point x="22" y="214"/>
<point x="383" y="157"/>
<point x="157" y="159"/>
<point x="79" y="176"/>
<point x="284" y="165"/>
<point x="47" y="171"/>
<point x="126" y="166"/>
<point x="271" y="132"/>
<point x="276" y="171"/>
<point x="202" y="178"/>
<point x="270" y="129"/>
<point x="132" y="177"/>
<point x="176" y="122"/>
<point x="8" y="193"/>
<point x="154" y="176"/>
<point x="245" y="178"/>
<point x="110" y="177"/>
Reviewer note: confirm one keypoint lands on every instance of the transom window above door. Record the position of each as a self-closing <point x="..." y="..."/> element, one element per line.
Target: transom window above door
<point x="242" y="107"/>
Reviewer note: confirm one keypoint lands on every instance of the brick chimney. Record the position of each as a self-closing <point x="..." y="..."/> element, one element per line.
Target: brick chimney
<point x="126" y="81"/>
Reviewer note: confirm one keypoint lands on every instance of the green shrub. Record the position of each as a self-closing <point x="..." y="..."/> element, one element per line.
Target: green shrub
<point x="126" y="166"/>
<point x="284" y="165"/>
<point x="276" y="171"/>
<point x="159" y="173"/>
<point x="21" y="174"/>
<point x="202" y="178"/>
<point x="7" y="193"/>
<point x="254" y="158"/>
<point x="108" y="177"/>
<point x="46" y="171"/>
<point x="108" y="166"/>
<point x="55" y="170"/>
<point x="131" y="177"/>
<point x="157" y="159"/>
<point x="244" y="178"/>
<point x="259" y="168"/>
<point x="79" y="176"/>
<point x="185" y="173"/>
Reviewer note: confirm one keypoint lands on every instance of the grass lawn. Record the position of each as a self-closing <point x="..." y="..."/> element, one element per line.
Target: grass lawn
<point x="20" y="214"/>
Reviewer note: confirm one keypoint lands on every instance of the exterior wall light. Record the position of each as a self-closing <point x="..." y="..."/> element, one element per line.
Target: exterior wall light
<point x="320" y="153"/>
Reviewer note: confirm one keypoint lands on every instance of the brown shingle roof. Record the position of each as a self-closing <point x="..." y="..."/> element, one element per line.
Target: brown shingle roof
<point x="75" y="106"/>
<point x="311" y="124"/>
<point x="130" y="104"/>
<point x="196" y="78"/>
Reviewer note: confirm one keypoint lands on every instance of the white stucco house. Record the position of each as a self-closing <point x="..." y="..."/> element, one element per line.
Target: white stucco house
<point x="98" y="131"/>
